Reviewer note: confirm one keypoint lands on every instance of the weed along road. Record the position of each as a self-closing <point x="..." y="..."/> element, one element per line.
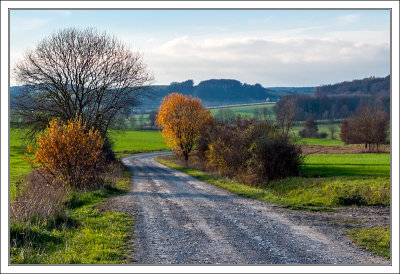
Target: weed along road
<point x="181" y="220"/>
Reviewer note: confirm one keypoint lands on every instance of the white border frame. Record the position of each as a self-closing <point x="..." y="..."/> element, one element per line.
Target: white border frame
<point x="5" y="5"/>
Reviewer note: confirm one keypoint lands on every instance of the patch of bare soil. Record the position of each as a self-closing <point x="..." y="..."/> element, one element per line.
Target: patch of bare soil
<point x="344" y="149"/>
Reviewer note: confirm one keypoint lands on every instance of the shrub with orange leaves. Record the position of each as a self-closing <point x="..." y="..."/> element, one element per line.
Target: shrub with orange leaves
<point x="181" y="119"/>
<point x="69" y="154"/>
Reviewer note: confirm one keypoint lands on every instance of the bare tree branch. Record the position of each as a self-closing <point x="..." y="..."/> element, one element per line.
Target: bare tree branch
<point x="80" y="73"/>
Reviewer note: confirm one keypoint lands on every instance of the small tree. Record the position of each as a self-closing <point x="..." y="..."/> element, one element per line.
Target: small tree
<point x="69" y="154"/>
<point x="153" y="117"/>
<point x="333" y="129"/>
<point x="310" y="129"/>
<point x="181" y="119"/>
<point x="344" y="129"/>
<point x="225" y="114"/>
<point x="285" y="111"/>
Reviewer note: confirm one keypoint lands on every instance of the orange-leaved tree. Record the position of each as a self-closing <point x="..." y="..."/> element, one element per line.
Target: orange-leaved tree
<point x="69" y="154"/>
<point x="181" y="119"/>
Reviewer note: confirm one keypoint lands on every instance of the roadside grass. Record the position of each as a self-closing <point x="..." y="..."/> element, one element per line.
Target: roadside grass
<point x="302" y="192"/>
<point x="376" y="239"/>
<point x="83" y="235"/>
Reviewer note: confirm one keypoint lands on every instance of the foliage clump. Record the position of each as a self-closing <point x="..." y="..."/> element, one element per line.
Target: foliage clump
<point x="250" y="151"/>
<point x="311" y="130"/>
<point x="69" y="154"/>
<point x="181" y="119"/>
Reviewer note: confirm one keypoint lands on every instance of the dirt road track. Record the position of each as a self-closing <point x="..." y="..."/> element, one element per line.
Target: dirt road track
<point x="181" y="220"/>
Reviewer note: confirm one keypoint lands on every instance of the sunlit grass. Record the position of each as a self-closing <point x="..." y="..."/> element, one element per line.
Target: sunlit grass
<point x="364" y="164"/>
<point x="376" y="239"/>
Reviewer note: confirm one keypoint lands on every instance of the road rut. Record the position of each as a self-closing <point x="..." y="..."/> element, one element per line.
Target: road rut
<point x="181" y="220"/>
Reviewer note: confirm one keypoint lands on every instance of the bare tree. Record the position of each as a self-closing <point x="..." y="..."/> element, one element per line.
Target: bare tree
<point x="367" y="125"/>
<point x="80" y="73"/>
<point x="285" y="111"/>
<point x="225" y="114"/>
<point x="152" y="118"/>
<point x="333" y="129"/>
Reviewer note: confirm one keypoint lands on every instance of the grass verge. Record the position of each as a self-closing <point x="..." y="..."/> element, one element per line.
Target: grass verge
<point x="81" y="235"/>
<point x="375" y="240"/>
<point x="302" y="192"/>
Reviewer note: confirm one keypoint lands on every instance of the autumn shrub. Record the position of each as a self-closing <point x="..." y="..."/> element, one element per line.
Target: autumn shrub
<point x="228" y="146"/>
<point x="69" y="154"/>
<point x="181" y="119"/>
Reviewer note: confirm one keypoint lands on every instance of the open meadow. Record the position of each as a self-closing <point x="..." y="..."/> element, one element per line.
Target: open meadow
<point x="247" y="111"/>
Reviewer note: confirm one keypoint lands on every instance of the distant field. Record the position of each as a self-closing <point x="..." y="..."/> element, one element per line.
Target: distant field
<point x="247" y="111"/>
<point x="321" y="141"/>
<point x="136" y="140"/>
<point x="322" y="128"/>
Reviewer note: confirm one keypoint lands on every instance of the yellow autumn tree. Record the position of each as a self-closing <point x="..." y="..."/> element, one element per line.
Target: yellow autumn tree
<point x="181" y="119"/>
<point x="69" y="154"/>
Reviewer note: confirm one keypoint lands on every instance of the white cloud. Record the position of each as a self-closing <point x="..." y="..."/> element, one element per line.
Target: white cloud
<point x="349" y="18"/>
<point x="269" y="61"/>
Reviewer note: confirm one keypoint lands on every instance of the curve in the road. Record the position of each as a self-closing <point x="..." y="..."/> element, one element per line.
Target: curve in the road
<point x="181" y="220"/>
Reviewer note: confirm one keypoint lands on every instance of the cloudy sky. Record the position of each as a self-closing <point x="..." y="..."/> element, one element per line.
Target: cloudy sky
<point x="270" y="47"/>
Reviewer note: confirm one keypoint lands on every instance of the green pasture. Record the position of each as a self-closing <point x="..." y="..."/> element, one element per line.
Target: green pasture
<point x="359" y="165"/>
<point x="247" y="111"/>
<point x="321" y="141"/>
<point x="19" y="167"/>
<point x="127" y="142"/>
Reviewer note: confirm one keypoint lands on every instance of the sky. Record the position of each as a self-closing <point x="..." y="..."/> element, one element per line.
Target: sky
<point x="270" y="47"/>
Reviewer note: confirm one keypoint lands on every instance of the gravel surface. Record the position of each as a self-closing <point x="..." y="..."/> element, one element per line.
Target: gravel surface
<point x="181" y="220"/>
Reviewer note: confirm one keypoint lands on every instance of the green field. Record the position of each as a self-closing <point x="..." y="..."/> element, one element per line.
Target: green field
<point x="19" y="167"/>
<point x="321" y="141"/>
<point x="360" y="165"/>
<point x="247" y="111"/>
<point x="136" y="140"/>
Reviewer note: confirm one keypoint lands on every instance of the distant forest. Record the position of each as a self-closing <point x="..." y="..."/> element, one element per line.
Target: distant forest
<point x="215" y="92"/>
<point x="335" y="101"/>
<point x="339" y="101"/>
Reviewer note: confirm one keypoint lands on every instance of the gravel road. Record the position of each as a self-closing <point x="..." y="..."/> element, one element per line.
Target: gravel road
<point x="181" y="220"/>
